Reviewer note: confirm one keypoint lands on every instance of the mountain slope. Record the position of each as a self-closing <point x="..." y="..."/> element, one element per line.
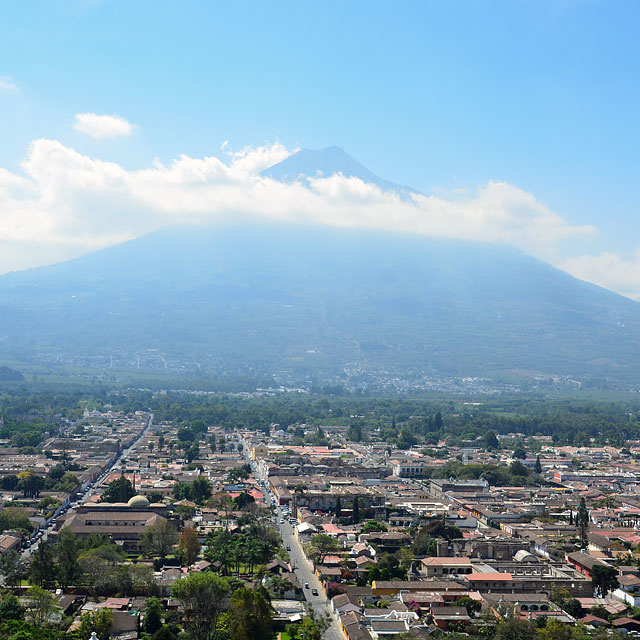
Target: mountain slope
<point x="310" y="302"/>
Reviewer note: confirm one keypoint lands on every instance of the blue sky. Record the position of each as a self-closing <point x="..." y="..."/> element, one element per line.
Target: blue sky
<point x="445" y="97"/>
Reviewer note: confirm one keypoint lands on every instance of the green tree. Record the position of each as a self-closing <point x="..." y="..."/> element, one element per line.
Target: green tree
<point x="41" y="570"/>
<point x="582" y="521"/>
<point x="515" y="629"/>
<point x="313" y="626"/>
<point x="15" y="518"/>
<point x="355" y="515"/>
<point x="158" y="539"/>
<point x="188" y="546"/>
<point x="66" y="557"/>
<point x="538" y="467"/>
<point x="518" y="469"/>
<point x="556" y="630"/>
<point x="41" y="605"/>
<point x="186" y="435"/>
<point x="12" y="568"/>
<point x="152" y="615"/>
<point x="519" y="453"/>
<point x="192" y="452"/>
<point x="373" y="525"/>
<point x="603" y="579"/>
<point x="164" y="633"/>
<point x="249" y="615"/>
<point x="491" y="440"/>
<point x="203" y="597"/>
<point x="472" y="606"/>
<point x="120" y="490"/>
<point x="11" y="609"/>
<point x="30" y="483"/>
<point x="321" y="546"/>
<point x="99" y="621"/>
<point x="201" y="488"/>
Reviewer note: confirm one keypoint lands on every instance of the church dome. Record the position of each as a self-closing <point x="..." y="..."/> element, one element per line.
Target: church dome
<point x="138" y="502"/>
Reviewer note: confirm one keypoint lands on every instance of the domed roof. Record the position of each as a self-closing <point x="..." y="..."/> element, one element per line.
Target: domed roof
<point x="138" y="502"/>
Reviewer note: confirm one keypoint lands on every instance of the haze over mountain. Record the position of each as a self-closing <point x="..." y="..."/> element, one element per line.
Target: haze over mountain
<point x="308" y="302"/>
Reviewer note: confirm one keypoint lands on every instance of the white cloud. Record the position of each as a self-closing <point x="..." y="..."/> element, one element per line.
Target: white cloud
<point x="100" y="127"/>
<point x="7" y="84"/>
<point x="609" y="270"/>
<point x="67" y="204"/>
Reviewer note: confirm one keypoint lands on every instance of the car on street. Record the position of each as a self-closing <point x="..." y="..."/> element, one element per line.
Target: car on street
<point x="314" y="592"/>
<point x="306" y="585"/>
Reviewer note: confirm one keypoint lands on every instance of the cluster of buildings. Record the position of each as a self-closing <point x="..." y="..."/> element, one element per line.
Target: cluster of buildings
<point x="410" y="548"/>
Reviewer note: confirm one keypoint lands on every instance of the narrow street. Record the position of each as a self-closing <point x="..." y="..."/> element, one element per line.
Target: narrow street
<point x="305" y="575"/>
<point x="83" y="497"/>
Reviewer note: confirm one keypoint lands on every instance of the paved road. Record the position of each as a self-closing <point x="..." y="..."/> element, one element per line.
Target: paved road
<point x="305" y="574"/>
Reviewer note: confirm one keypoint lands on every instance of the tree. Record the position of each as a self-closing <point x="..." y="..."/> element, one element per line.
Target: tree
<point x="582" y="521"/>
<point x="120" y="490"/>
<point x="66" y="556"/>
<point x="556" y="630"/>
<point x="12" y="568"/>
<point x="10" y="482"/>
<point x="188" y="546"/>
<point x="491" y="440"/>
<point x="30" y="483"/>
<point x="603" y="579"/>
<point x="538" y="467"/>
<point x="98" y="566"/>
<point x="152" y="615"/>
<point x="192" y="452"/>
<point x="322" y="545"/>
<point x="518" y="469"/>
<point x="313" y="626"/>
<point x="199" y="426"/>
<point x="158" y="539"/>
<point x="338" y="507"/>
<point x="236" y="474"/>
<point x="203" y="597"/>
<point x="15" y="518"/>
<point x="164" y="633"/>
<point x="515" y="629"/>
<point x="243" y="500"/>
<point x="472" y="606"/>
<point x="573" y="607"/>
<point x="249" y="615"/>
<point x="40" y="606"/>
<point x="355" y="515"/>
<point x="519" y="453"/>
<point x="201" y="488"/>
<point x="11" y="609"/>
<point x="354" y="433"/>
<point x="373" y="525"/>
<point x="186" y="435"/>
<point x="41" y="570"/>
<point x="99" y="621"/>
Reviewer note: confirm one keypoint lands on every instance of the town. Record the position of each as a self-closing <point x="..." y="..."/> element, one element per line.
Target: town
<point x="132" y="524"/>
